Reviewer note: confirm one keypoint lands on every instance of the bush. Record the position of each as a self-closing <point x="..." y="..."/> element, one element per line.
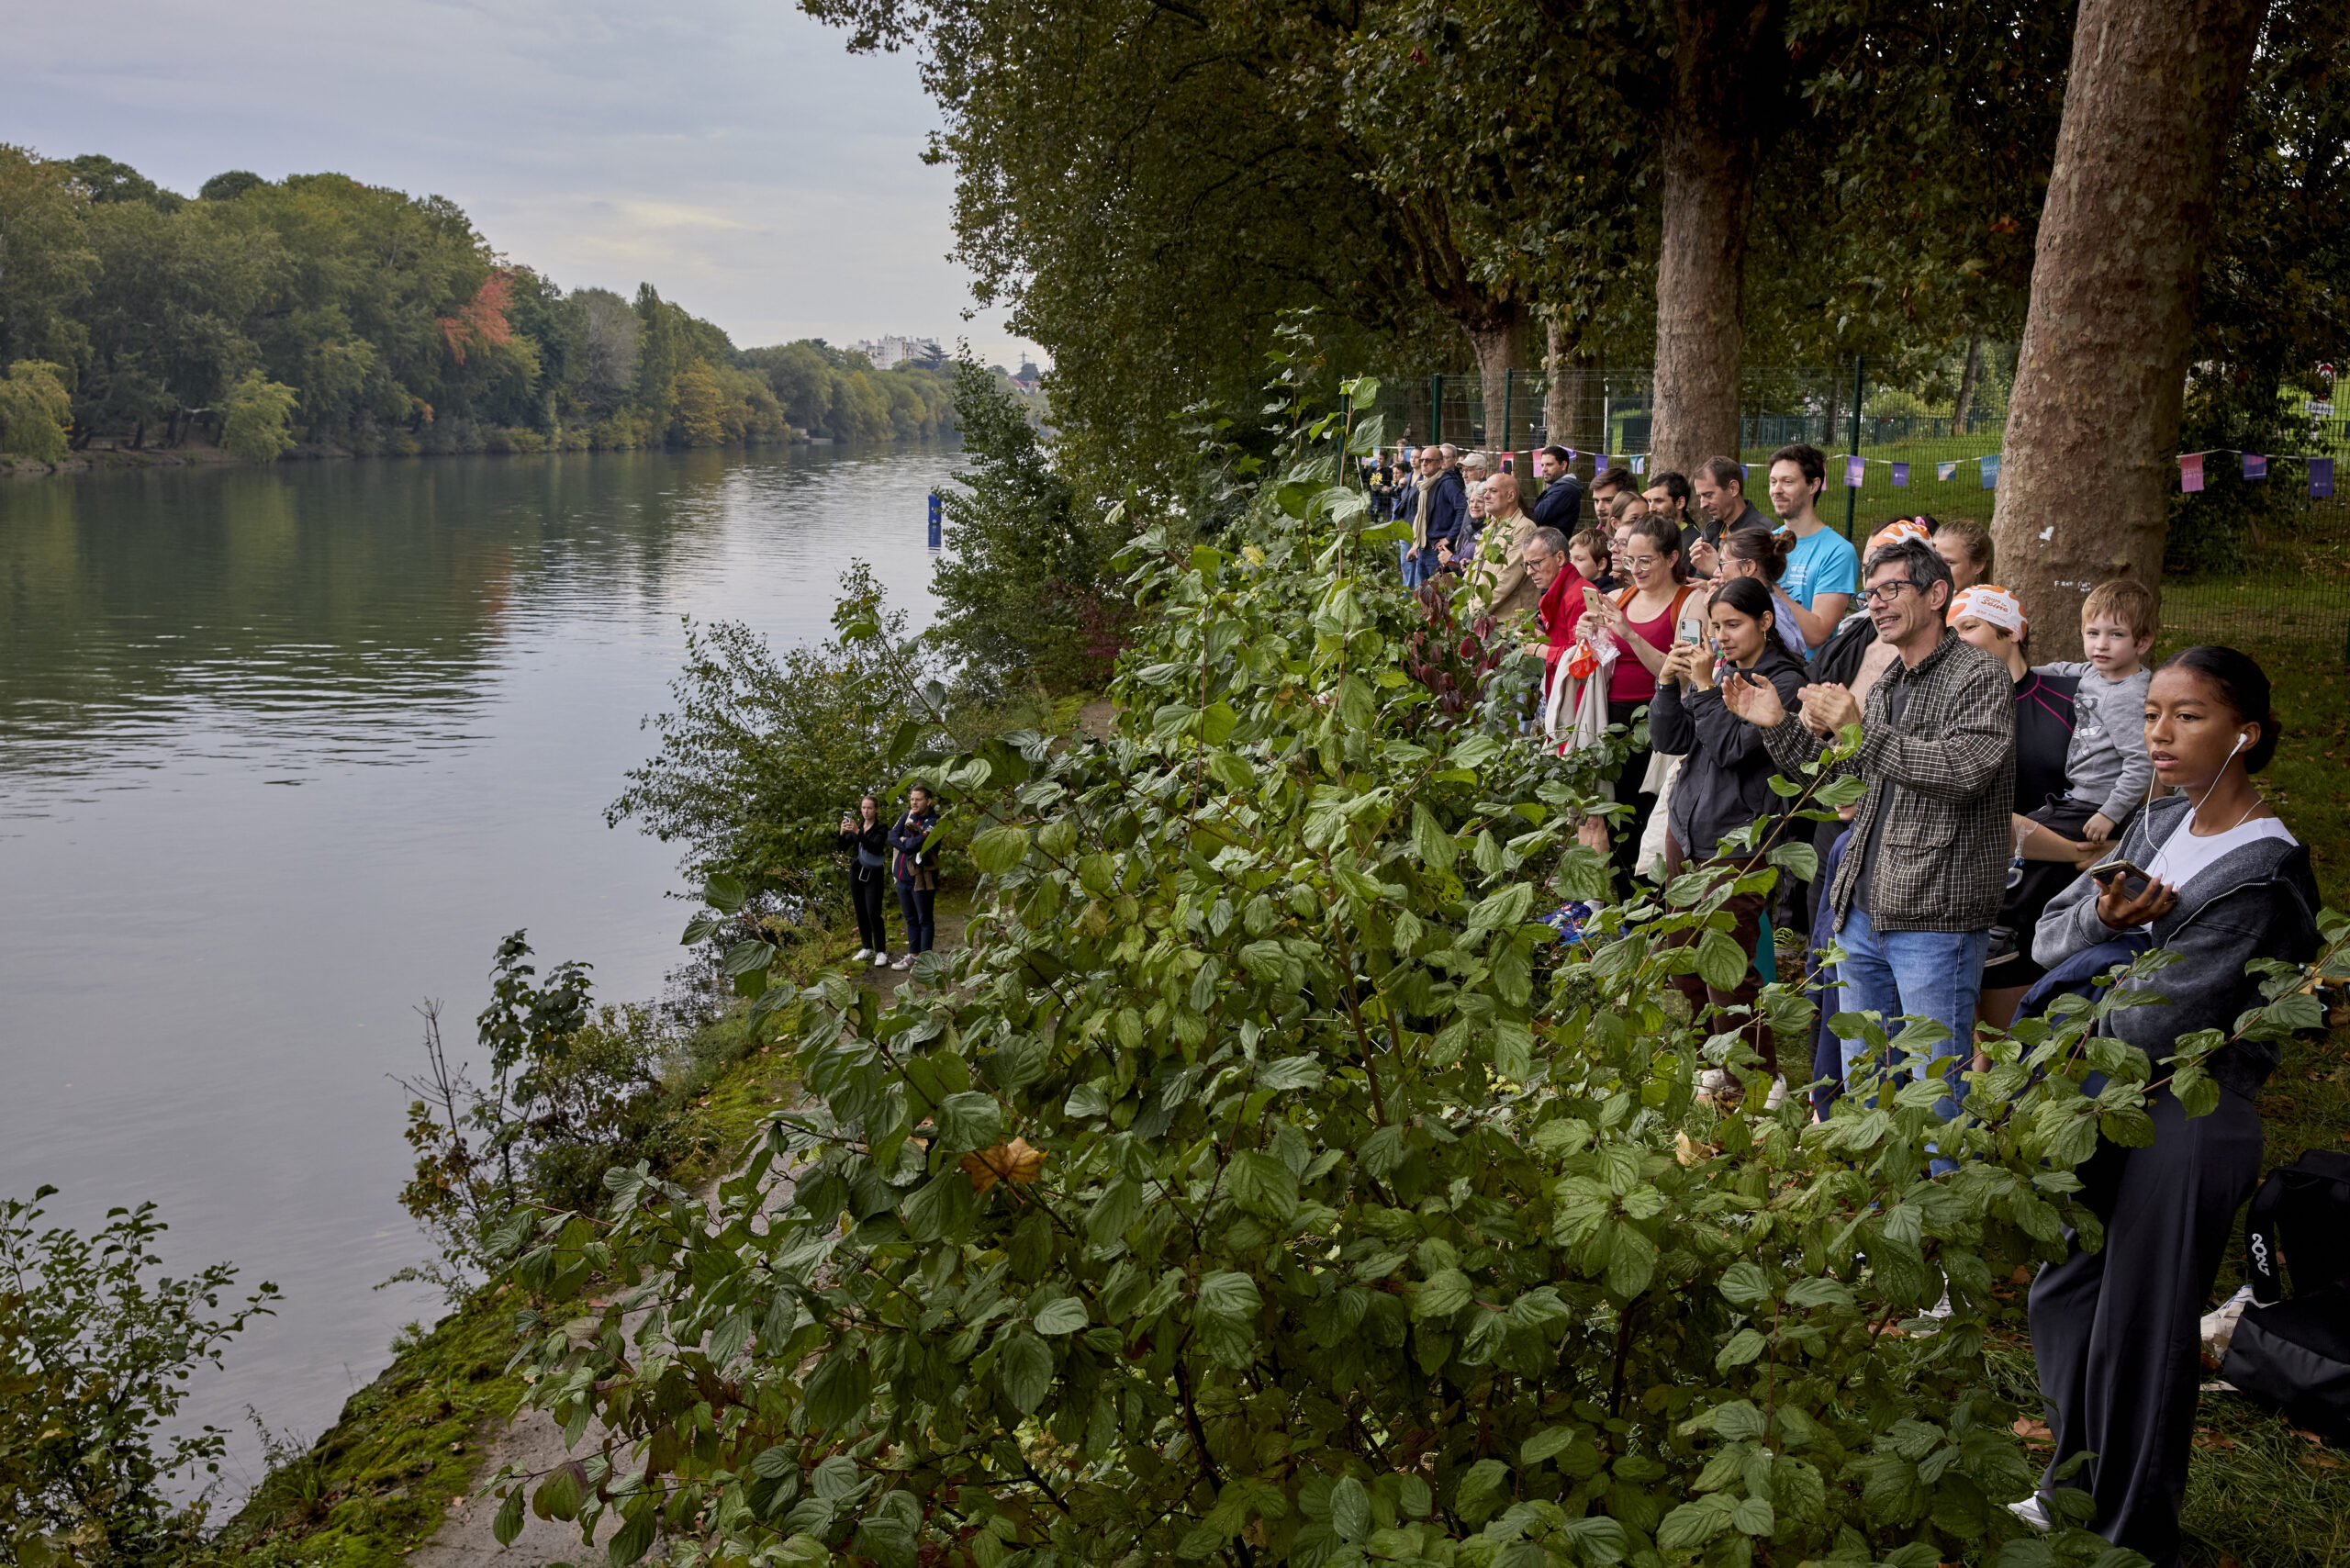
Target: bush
<point x="1264" y="1183"/>
<point x="96" y="1345"/>
<point x="257" y="418"/>
<point x="36" y="411"/>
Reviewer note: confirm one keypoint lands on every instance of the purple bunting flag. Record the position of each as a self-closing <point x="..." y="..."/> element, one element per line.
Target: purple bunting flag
<point x="1855" y="470"/>
<point x="2256" y="465"/>
<point x="2320" y="476"/>
<point x="2190" y="471"/>
<point x="1991" y="471"/>
<point x="1901" y="475"/>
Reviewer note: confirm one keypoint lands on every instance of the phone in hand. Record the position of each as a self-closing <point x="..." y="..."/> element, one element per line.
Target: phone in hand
<point x="2104" y="871"/>
<point x="1691" y="630"/>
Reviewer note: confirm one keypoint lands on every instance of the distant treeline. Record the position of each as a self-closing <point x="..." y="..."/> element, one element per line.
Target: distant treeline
<point x="317" y="310"/>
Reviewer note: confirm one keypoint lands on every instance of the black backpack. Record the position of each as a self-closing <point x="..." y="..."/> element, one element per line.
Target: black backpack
<point x="2295" y="1354"/>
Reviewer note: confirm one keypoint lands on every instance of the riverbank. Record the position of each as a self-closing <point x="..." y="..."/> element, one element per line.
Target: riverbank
<point x="192" y="455"/>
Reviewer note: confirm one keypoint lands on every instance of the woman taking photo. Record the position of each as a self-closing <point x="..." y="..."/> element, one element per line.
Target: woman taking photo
<point x="2115" y="1330"/>
<point x="1642" y="620"/>
<point x="917" y="872"/>
<point x="1726" y="770"/>
<point x="866" y="837"/>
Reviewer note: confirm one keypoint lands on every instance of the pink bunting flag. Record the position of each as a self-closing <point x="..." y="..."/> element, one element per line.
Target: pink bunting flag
<point x="2190" y="471"/>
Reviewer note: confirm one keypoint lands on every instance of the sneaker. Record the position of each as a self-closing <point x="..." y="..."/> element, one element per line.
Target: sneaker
<point x="1771" y="1101"/>
<point x="880" y="959"/>
<point x="862" y="955"/>
<point x="2033" y="1511"/>
<point x="905" y="963"/>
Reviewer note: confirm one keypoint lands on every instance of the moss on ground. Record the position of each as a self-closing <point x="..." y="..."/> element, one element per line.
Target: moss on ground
<point x="380" y="1479"/>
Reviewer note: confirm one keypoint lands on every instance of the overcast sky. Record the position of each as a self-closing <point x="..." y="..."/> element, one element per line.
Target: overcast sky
<point x="730" y="152"/>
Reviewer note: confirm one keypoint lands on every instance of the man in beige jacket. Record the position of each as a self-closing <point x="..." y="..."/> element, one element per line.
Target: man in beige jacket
<point x="1503" y="583"/>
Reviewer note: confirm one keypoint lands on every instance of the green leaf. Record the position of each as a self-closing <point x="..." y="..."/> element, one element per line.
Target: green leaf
<point x="1066" y="1316"/>
<point x="1754" y="1516"/>
<point x="1350" y="1509"/>
<point x="509" y="1522"/>
<point x="1024" y="1368"/>
<point x="1745" y="1283"/>
<point x="1721" y="962"/>
<point x="1549" y="1440"/>
<point x="1231" y="1296"/>
<point x="1263" y="1185"/>
<point x="838" y="1392"/>
<point x="1799" y="859"/>
<point x="1690" y="1526"/>
<point x="1744" y="1346"/>
<point x="998" y="849"/>
<point x="903" y="743"/>
<point x="1631" y="1261"/>
<point x="1479" y="1489"/>
<point x="635" y="1538"/>
<point x="725" y="894"/>
<point x="1446" y="1292"/>
<point x="970" y="1120"/>
<point x="1113" y="1213"/>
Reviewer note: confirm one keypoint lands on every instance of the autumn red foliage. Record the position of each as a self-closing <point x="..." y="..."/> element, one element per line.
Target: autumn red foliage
<point x="483" y="318"/>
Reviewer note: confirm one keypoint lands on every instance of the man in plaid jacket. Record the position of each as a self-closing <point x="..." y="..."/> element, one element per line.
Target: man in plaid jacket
<point x="1926" y="863"/>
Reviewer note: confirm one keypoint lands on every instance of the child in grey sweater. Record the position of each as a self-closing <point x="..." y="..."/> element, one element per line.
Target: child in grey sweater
<point x="2106" y="763"/>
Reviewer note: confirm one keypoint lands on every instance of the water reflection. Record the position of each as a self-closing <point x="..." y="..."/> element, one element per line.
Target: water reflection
<point x="283" y="752"/>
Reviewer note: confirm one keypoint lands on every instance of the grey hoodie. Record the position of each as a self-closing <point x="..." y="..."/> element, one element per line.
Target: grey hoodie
<point x="2107" y="766"/>
<point x="2258" y="901"/>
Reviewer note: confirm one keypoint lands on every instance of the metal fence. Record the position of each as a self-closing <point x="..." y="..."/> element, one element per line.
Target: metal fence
<point x="2252" y="560"/>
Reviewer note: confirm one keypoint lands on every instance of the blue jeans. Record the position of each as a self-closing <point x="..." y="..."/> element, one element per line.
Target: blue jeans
<point x="1917" y="974"/>
<point x="1419" y="571"/>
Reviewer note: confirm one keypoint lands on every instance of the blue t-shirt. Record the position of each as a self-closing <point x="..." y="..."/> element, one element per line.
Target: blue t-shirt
<point x="1825" y="563"/>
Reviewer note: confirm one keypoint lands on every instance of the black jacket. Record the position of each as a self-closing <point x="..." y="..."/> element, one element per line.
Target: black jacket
<point x="2257" y="901"/>
<point x="911" y="863"/>
<point x="1725" y="773"/>
<point x="1560" y="505"/>
<point x="874" y="841"/>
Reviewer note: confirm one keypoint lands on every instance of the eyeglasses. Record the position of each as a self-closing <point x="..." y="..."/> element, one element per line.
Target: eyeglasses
<point x="1889" y="593"/>
<point x="1642" y="563"/>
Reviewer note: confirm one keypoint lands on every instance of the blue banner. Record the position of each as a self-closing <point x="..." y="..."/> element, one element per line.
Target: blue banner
<point x="2320" y="476"/>
<point x="1991" y="471"/>
<point x="934" y="520"/>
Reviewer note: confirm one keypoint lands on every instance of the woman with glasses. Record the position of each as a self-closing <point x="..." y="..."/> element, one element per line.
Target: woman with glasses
<point x="1642" y="620"/>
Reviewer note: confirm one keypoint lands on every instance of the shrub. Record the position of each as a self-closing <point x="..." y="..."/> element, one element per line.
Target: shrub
<point x="1264" y="1182"/>
<point x="36" y="411"/>
<point x="256" y="419"/>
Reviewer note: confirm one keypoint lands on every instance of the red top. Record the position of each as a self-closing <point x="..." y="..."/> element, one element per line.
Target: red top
<point x="1631" y="681"/>
<point x="1563" y="608"/>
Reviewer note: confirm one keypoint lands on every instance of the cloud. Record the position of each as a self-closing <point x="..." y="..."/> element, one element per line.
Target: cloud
<point x="730" y="152"/>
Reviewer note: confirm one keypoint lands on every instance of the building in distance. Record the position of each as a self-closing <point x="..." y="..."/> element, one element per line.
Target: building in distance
<point x="891" y="352"/>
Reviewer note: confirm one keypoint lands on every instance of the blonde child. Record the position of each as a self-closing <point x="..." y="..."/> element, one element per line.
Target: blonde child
<point x="2107" y="766"/>
<point x="1591" y="554"/>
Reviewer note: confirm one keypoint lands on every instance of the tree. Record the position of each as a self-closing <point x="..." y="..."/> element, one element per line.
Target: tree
<point x="229" y="186"/>
<point x="702" y="419"/>
<point x="44" y="264"/>
<point x="34" y="411"/>
<point x="2101" y="374"/>
<point x="96" y="1345"/>
<point x="257" y="418"/>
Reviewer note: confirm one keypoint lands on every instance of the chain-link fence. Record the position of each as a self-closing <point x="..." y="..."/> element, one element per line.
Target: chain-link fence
<point x="2260" y="555"/>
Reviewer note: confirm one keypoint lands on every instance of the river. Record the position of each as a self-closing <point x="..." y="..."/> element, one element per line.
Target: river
<point x="284" y="753"/>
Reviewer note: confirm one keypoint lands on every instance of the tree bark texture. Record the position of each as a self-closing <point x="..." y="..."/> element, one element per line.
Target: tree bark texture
<point x="2087" y="463"/>
<point x="1727" y="63"/>
<point x="1558" y="346"/>
<point x="1962" y="411"/>
<point x="1498" y="338"/>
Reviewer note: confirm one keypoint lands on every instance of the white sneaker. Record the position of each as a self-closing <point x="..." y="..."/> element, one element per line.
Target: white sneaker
<point x="862" y="955"/>
<point x="2033" y="1511"/>
<point x="905" y="963"/>
<point x="1778" y="1093"/>
<point x="881" y="960"/>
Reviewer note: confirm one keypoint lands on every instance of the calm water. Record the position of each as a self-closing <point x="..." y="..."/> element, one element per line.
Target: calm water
<point x="284" y="753"/>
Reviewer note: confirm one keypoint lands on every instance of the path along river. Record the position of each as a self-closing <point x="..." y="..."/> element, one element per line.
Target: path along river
<point x="285" y="752"/>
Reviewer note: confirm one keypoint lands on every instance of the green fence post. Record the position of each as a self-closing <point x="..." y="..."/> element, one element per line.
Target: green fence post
<point x="1853" y="493"/>
<point x="1509" y="386"/>
<point x="1435" y="409"/>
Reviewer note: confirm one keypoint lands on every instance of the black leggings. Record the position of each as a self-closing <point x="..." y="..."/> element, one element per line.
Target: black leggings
<point x="1625" y="850"/>
<point x="922" y="926"/>
<point x="872" y="931"/>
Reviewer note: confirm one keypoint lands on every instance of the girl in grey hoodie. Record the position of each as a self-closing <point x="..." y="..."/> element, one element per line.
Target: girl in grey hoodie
<point x="2114" y="1330"/>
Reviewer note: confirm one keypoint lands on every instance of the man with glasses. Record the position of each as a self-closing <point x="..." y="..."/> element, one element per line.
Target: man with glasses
<point x="1924" y="868"/>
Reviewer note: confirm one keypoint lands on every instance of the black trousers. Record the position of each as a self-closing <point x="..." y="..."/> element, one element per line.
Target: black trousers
<point x="1624" y="852"/>
<point x="2116" y="1332"/>
<point x="864" y="892"/>
<point x="921" y="927"/>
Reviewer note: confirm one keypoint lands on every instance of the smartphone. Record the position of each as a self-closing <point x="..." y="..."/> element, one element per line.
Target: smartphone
<point x="1691" y="630"/>
<point x="2128" y="871"/>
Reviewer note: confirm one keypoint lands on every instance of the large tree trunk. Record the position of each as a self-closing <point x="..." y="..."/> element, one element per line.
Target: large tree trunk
<point x="1498" y="338"/>
<point x="1710" y="146"/>
<point x="2101" y="375"/>
<point x="1962" y="412"/>
<point x="1557" y="348"/>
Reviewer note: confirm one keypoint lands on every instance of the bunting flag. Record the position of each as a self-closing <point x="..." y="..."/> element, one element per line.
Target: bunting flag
<point x="934" y="541"/>
<point x="1640" y="463"/>
<point x="1901" y="475"/>
<point x="2256" y="465"/>
<point x="1991" y="471"/>
<point x="1945" y="472"/>
<point x="2320" y="476"/>
<point x="1509" y="464"/>
<point x="1855" y="470"/>
<point x="2190" y="471"/>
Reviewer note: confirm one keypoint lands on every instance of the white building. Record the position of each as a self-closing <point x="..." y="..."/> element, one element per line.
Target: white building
<point x="894" y="350"/>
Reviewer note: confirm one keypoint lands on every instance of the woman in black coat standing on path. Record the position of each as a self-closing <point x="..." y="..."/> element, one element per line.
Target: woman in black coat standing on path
<point x="866" y="837"/>
<point x="917" y="872"/>
<point x="2114" y="1330"/>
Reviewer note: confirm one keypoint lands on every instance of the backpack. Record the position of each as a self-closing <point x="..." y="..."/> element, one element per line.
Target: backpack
<point x="2294" y="1353"/>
